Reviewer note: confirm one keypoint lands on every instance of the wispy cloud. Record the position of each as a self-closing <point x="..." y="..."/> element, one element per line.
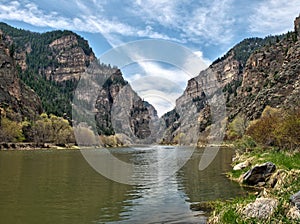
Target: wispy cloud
<point x="274" y="16"/>
<point x="88" y="21"/>
<point x="159" y="85"/>
<point x="209" y="21"/>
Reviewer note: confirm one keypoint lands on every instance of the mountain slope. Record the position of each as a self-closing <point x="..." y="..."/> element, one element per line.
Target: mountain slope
<point x="253" y="74"/>
<point x="53" y="63"/>
<point x="16" y="99"/>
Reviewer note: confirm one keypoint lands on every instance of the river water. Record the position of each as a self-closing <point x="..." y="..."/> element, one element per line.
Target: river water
<point x="59" y="186"/>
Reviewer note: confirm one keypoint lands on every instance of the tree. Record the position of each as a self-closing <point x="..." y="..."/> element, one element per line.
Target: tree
<point x="52" y="129"/>
<point x="10" y="131"/>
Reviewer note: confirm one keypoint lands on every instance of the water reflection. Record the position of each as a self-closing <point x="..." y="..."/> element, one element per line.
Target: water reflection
<point x="60" y="187"/>
<point x="210" y="183"/>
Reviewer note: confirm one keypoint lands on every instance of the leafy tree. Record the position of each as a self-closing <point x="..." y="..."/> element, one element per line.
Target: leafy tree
<point x="52" y="129"/>
<point x="10" y="131"/>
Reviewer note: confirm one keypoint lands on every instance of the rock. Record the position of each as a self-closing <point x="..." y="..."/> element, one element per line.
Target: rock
<point x="242" y="165"/>
<point x="262" y="208"/>
<point x="259" y="173"/>
<point x="204" y="206"/>
<point x="295" y="200"/>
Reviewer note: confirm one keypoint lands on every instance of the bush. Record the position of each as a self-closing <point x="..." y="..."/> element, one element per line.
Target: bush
<point x="236" y="128"/>
<point x="277" y="128"/>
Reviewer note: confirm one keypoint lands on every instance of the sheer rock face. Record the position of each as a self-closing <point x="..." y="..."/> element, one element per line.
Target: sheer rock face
<point x="265" y="72"/>
<point x="14" y="94"/>
<point x="71" y="58"/>
<point x="120" y="110"/>
<point x="192" y="113"/>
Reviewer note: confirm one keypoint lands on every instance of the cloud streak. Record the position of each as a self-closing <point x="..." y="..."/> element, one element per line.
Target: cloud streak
<point x="274" y="17"/>
<point x="112" y="29"/>
<point x="206" y="22"/>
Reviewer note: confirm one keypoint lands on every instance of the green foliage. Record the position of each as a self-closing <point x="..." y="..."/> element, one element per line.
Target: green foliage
<point x="55" y="100"/>
<point x="245" y="48"/>
<point x="237" y="127"/>
<point x="52" y="129"/>
<point x="277" y="128"/>
<point x="10" y="131"/>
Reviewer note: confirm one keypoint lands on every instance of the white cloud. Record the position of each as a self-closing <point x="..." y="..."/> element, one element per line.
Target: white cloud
<point x="157" y="88"/>
<point x="210" y="21"/>
<point x="274" y="16"/>
<point x="88" y="21"/>
<point x="172" y="74"/>
<point x="199" y="54"/>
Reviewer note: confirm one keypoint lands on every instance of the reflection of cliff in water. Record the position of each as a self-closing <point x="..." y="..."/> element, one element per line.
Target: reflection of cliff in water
<point x="210" y="183"/>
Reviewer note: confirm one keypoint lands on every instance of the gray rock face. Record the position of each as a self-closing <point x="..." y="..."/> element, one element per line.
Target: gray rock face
<point x="259" y="173"/>
<point x="13" y="92"/>
<point x="268" y="74"/>
<point x="262" y="208"/>
<point x="295" y="200"/>
<point x="115" y="107"/>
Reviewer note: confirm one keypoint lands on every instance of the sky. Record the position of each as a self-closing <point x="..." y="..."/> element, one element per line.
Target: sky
<point x="208" y="28"/>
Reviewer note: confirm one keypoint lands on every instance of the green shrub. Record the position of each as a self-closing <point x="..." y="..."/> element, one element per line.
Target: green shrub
<point x="277" y="128"/>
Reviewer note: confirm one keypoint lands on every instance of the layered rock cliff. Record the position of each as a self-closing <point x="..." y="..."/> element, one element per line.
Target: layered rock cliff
<point x="53" y="63"/>
<point x="253" y="74"/>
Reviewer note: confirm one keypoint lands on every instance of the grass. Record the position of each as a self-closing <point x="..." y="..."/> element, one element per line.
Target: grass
<point x="229" y="211"/>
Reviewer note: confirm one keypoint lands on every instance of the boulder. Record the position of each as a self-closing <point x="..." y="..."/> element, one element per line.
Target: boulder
<point x="242" y="165"/>
<point x="295" y="200"/>
<point x="259" y="173"/>
<point x="262" y="208"/>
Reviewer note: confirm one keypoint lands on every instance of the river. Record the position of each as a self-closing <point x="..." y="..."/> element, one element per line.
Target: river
<point x="59" y="186"/>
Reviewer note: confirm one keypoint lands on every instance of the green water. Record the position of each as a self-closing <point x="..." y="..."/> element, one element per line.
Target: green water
<point x="48" y="186"/>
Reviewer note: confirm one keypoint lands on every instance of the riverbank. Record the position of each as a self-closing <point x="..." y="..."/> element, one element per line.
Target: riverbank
<point x="269" y="198"/>
<point x="34" y="146"/>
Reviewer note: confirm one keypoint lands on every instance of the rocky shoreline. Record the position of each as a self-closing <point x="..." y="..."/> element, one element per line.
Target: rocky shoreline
<point x="275" y="179"/>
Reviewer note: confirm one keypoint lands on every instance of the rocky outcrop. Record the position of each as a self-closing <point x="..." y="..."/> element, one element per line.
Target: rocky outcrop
<point x="117" y="109"/>
<point x="71" y="59"/>
<point x="259" y="174"/>
<point x="15" y="97"/>
<point x="120" y="110"/>
<point x="297" y="26"/>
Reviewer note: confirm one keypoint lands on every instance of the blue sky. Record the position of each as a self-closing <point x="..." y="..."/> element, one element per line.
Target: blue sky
<point x="209" y="28"/>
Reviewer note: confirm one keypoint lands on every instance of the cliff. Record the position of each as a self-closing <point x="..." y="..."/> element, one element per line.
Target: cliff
<point x="253" y="74"/>
<point x="16" y="99"/>
<point x="53" y="63"/>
